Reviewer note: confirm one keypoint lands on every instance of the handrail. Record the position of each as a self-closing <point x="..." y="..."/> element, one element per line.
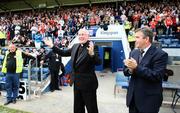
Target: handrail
<point x="29" y="78"/>
<point x="41" y="73"/>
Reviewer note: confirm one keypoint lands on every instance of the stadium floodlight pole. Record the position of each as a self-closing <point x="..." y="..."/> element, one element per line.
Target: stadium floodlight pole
<point x="30" y="5"/>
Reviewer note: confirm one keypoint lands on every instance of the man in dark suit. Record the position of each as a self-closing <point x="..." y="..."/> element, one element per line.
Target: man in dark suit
<point x="146" y="67"/>
<point x="55" y="65"/>
<point x="84" y="57"/>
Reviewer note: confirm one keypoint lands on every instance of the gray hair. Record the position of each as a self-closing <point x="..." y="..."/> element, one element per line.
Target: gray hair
<point x="147" y="33"/>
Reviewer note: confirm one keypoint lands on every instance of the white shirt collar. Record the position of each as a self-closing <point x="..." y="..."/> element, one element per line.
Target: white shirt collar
<point x="146" y="49"/>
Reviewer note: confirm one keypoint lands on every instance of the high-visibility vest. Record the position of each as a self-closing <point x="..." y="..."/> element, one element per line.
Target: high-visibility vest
<point x="19" y="62"/>
<point x="127" y="25"/>
<point x="106" y="56"/>
<point x="2" y="35"/>
<point x="131" y="37"/>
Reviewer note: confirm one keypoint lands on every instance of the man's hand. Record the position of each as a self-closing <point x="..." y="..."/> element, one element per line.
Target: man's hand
<point x="130" y="63"/>
<point x="48" y="42"/>
<point x="91" y="49"/>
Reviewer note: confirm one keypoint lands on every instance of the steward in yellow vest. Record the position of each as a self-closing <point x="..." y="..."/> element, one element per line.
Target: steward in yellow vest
<point x="19" y="61"/>
<point x="127" y="26"/>
<point x="131" y="38"/>
<point x="2" y="37"/>
<point x="12" y="67"/>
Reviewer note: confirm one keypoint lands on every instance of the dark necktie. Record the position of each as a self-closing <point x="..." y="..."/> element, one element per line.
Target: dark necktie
<point x="140" y="55"/>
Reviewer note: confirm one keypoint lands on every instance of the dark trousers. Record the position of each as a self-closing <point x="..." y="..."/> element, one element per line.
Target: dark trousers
<point x="84" y="98"/>
<point x="12" y="86"/>
<point x="54" y="84"/>
<point x="134" y="109"/>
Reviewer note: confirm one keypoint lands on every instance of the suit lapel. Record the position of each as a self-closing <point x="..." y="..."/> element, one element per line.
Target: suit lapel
<point x="148" y="54"/>
<point x="75" y="50"/>
<point x="81" y="57"/>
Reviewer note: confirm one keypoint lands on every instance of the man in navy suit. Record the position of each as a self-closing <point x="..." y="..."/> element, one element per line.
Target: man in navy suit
<point x="146" y="67"/>
<point x="84" y="57"/>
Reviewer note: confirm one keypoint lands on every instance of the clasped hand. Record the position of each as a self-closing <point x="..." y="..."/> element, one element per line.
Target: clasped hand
<point x="130" y="63"/>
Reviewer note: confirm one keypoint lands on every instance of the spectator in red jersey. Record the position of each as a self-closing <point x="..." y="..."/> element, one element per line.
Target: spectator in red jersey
<point x="157" y="18"/>
<point x="153" y="24"/>
<point x="168" y="22"/>
<point x="136" y="18"/>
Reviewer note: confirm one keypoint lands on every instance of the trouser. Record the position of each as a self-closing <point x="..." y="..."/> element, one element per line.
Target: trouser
<point x="12" y="86"/>
<point x="84" y="98"/>
<point x="134" y="109"/>
<point x="54" y="84"/>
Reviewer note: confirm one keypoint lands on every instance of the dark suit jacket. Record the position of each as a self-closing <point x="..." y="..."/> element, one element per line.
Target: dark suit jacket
<point x="83" y="67"/>
<point x="146" y="81"/>
<point x="53" y="63"/>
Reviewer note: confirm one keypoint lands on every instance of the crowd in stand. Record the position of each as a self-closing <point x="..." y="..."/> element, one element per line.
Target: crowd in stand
<point x="29" y="28"/>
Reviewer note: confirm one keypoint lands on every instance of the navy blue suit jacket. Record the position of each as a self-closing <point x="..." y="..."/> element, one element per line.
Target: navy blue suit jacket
<point x="145" y="85"/>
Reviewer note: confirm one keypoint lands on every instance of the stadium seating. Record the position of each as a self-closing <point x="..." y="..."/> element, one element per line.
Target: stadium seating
<point x="120" y="81"/>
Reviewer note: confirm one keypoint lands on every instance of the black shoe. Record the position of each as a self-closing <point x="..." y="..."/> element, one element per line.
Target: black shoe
<point x="52" y="90"/>
<point x="14" y="101"/>
<point x="59" y="89"/>
<point x="8" y="102"/>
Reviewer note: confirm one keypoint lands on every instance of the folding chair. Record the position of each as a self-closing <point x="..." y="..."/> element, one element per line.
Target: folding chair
<point x="175" y="98"/>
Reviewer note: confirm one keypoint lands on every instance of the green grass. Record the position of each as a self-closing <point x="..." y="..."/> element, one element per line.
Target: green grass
<point x="4" y="109"/>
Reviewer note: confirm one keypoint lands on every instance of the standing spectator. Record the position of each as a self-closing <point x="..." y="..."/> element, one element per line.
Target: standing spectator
<point x="131" y="38"/>
<point x="136" y="18"/>
<point x="60" y="33"/>
<point x="168" y="22"/>
<point x="38" y="40"/>
<point x="12" y="30"/>
<point x="2" y="37"/>
<point x="17" y="29"/>
<point x="54" y="64"/>
<point x="160" y="28"/>
<point x="153" y="25"/>
<point x="34" y="30"/>
<point x="127" y="26"/>
<point x="12" y="67"/>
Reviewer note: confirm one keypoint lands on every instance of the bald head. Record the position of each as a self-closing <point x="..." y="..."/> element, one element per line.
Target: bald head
<point x="12" y="47"/>
<point x="83" y="35"/>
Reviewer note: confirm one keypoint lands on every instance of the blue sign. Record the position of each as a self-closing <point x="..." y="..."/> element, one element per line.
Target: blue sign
<point x="92" y="30"/>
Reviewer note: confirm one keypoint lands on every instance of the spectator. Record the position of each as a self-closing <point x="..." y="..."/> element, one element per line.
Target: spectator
<point x="54" y="64"/>
<point x="12" y="67"/>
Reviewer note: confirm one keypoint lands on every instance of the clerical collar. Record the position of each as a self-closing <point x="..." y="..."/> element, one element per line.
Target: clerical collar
<point x="85" y="44"/>
<point x="81" y="45"/>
